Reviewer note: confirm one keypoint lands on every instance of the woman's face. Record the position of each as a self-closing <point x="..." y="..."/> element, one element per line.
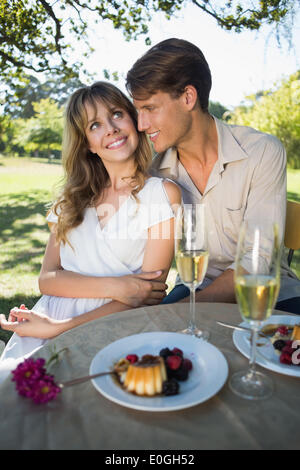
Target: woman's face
<point x="111" y="133"/>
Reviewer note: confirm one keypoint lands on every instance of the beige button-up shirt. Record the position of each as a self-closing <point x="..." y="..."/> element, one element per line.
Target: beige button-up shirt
<point x="248" y="182"/>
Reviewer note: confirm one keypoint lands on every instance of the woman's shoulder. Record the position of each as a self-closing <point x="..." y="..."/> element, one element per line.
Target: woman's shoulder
<point x="155" y="185"/>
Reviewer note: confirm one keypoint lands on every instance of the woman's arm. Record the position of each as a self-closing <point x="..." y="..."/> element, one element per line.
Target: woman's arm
<point x="158" y="255"/>
<point x="133" y="290"/>
<point x="159" y="250"/>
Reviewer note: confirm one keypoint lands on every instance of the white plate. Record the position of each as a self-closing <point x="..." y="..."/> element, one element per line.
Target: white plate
<point x="266" y="356"/>
<point x="207" y="377"/>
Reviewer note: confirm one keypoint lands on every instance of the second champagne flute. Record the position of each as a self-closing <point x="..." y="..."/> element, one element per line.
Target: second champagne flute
<point x="191" y="255"/>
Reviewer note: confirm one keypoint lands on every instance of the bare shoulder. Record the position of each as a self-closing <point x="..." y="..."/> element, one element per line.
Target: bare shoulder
<point x="173" y="191"/>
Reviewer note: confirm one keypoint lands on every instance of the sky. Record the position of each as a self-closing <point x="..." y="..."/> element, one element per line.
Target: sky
<point x="241" y="64"/>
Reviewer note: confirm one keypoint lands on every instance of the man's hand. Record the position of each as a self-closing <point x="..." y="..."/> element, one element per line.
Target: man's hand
<point x="141" y="289"/>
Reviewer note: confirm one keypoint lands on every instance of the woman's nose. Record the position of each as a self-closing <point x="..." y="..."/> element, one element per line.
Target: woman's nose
<point x="111" y="127"/>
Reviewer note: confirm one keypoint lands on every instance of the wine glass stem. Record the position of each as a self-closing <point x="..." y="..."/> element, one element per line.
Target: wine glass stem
<point x="253" y="349"/>
<point x="192" y="308"/>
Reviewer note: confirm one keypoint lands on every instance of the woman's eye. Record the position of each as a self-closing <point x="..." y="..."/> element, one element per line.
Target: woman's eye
<point x="94" y="126"/>
<point x="117" y="114"/>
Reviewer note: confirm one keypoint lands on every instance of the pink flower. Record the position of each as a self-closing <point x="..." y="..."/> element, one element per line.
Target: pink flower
<point x="32" y="381"/>
<point x="44" y="390"/>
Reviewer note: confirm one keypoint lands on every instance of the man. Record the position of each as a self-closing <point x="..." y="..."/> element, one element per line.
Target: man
<point x="238" y="172"/>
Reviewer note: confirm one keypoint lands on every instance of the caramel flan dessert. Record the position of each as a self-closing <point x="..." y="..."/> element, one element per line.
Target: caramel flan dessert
<point x="152" y="375"/>
<point x="146" y="376"/>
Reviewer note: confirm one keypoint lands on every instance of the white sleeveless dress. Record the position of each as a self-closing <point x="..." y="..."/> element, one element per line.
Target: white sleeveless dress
<point x="115" y="250"/>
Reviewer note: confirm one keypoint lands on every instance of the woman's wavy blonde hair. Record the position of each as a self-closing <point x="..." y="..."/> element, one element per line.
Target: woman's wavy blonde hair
<point x="85" y="175"/>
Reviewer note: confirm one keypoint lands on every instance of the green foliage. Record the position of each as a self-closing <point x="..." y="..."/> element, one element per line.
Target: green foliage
<point x="276" y="112"/>
<point x="217" y="109"/>
<point x="33" y="34"/>
<point x="42" y="132"/>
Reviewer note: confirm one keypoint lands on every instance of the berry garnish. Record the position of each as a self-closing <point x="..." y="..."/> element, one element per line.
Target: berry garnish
<point x="285" y="358"/>
<point x="180" y="374"/>
<point x="279" y="344"/>
<point x="283" y="330"/>
<point x="170" y="387"/>
<point x="132" y="358"/>
<point x="177" y="352"/>
<point x="187" y="364"/>
<point x="165" y="352"/>
<point x="173" y="362"/>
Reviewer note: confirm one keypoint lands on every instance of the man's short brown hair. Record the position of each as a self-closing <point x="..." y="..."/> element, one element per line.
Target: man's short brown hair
<point x="170" y="66"/>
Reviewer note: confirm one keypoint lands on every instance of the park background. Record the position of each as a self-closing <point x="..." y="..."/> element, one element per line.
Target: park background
<point x="256" y="82"/>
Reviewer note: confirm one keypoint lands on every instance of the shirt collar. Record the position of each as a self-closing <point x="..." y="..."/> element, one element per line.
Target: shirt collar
<point x="226" y="140"/>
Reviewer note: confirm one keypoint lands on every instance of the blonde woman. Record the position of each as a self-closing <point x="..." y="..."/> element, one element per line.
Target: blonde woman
<point x="111" y="224"/>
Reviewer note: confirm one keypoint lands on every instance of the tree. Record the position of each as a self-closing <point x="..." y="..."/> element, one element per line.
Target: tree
<point x="19" y="101"/>
<point x="276" y="112"/>
<point x="43" y="131"/>
<point x="33" y="32"/>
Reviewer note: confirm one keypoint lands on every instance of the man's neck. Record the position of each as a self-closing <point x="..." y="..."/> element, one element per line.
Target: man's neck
<point x="199" y="154"/>
<point x="201" y="147"/>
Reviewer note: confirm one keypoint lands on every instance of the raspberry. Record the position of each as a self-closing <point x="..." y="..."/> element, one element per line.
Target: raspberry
<point x="285" y="358"/>
<point x="177" y="352"/>
<point x="170" y="387"/>
<point x="187" y="364"/>
<point x="22" y="307"/>
<point x="288" y="348"/>
<point x="283" y="330"/>
<point x="174" y="362"/>
<point x="132" y="358"/>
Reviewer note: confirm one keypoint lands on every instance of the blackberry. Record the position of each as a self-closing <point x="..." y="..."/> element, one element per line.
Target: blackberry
<point x="181" y="373"/>
<point x="170" y="387"/>
<point x="165" y="352"/>
<point x="279" y="344"/>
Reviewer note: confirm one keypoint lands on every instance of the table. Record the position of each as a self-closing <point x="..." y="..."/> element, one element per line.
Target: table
<point x="81" y="418"/>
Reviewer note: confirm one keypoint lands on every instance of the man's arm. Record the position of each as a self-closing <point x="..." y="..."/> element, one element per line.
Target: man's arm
<point x="220" y="290"/>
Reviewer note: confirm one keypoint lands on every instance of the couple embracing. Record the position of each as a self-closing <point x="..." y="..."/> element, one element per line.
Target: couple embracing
<point x="99" y="261"/>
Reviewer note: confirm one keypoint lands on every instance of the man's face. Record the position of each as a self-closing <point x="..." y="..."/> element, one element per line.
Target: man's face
<point x="165" y="120"/>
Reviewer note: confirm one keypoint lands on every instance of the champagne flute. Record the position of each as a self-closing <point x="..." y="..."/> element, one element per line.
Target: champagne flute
<point x="191" y="255"/>
<point x="257" y="281"/>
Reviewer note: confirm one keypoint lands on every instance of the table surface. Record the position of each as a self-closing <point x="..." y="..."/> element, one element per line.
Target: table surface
<point x="81" y="418"/>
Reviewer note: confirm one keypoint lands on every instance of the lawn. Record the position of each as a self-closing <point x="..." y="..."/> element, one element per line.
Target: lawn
<point x="27" y="188"/>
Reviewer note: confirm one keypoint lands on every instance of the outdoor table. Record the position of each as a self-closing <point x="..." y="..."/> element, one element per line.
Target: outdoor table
<point x="81" y="418"/>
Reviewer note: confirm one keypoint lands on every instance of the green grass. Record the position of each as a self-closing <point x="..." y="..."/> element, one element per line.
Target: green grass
<point x="27" y="187"/>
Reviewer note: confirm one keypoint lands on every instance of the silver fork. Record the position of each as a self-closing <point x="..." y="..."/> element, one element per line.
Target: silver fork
<point x="80" y="380"/>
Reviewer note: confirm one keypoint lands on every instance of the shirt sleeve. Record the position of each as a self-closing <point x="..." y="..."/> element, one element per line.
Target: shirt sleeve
<point x="266" y="202"/>
<point x="159" y="207"/>
<point x="51" y="217"/>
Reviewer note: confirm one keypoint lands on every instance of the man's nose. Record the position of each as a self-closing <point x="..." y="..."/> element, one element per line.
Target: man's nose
<point x="143" y="123"/>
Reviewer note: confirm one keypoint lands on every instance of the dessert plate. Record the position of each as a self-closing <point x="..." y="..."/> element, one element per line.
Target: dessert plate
<point x="207" y="377"/>
<point x="266" y="356"/>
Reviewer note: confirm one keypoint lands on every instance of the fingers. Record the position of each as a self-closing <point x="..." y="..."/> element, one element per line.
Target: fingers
<point x="7" y="325"/>
<point x="19" y="314"/>
<point x="159" y="286"/>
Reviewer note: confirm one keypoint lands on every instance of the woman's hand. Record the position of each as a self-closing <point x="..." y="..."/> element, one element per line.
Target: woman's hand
<point x="30" y="323"/>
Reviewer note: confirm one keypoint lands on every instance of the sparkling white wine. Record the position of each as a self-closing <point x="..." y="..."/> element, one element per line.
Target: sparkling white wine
<point x="192" y="266"/>
<point x="256" y="296"/>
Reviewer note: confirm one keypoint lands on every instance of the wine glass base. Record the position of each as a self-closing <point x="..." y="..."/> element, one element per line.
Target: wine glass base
<point x="252" y="385"/>
<point x="203" y="334"/>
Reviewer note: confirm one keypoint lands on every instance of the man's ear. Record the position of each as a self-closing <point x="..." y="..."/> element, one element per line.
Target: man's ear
<point x="190" y="96"/>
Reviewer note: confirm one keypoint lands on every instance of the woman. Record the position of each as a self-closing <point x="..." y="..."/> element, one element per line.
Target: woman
<point x="111" y="222"/>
